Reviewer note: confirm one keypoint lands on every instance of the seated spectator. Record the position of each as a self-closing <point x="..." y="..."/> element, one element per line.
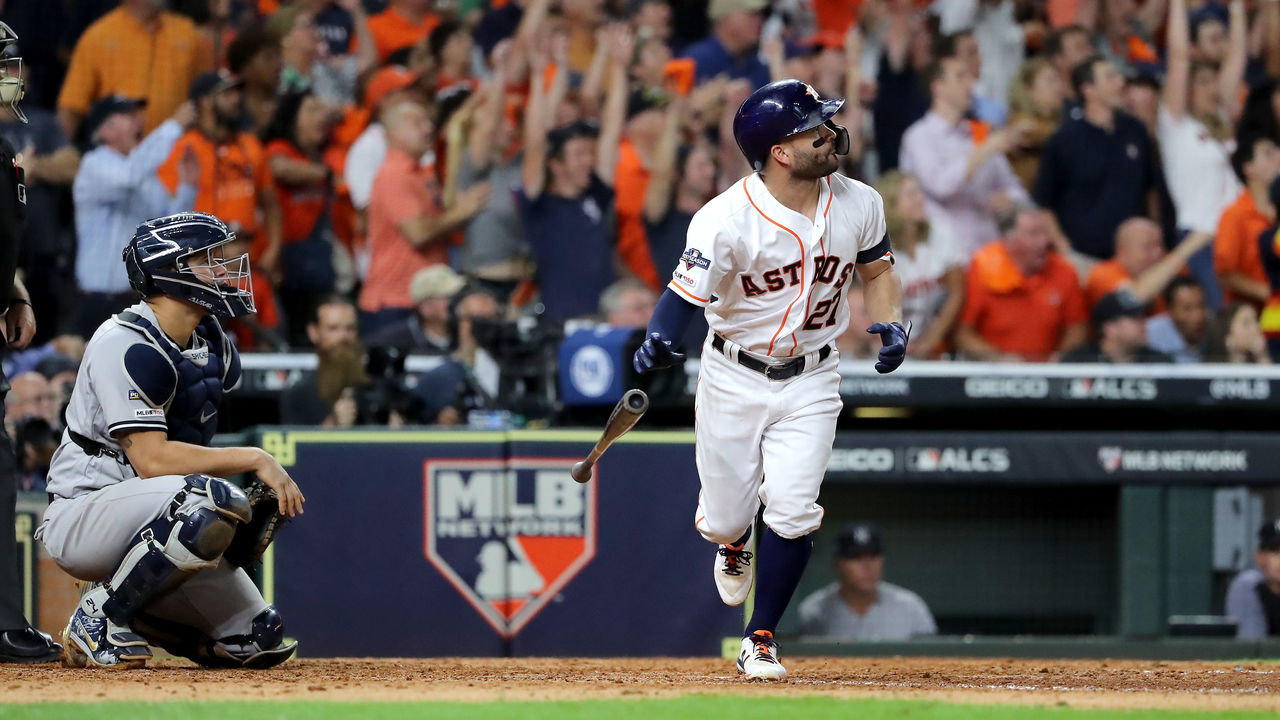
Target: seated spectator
<point x="1141" y="265"/>
<point x="966" y="178"/>
<point x="929" y="262"/>
<point x="628" y="303"/>
<point x="234" y="180"/>
<point x="296" y="141"/>
<point x="1180" y="330"/>
<point x="860" y="605"/>
<point x="1120" y="321"/>
<point x="1036" y="101"/>
<point x="401" y="25"/>
<point x="314" y="399"/>
<point x="1253" y="598"/>
<point x="1236" y="256"/>
<point x="567" y="195"/>
<point x="427" y="331"/>
<point x="468" y="379"/>
<point x="137" y="50"/>
<point x="408" y="228"/>
<point x="1022" y="300"/>
<point x="116" y="189"/>
<point x="30" y="396"/>
<point x="1100" y="168"/>
<point x="1235" y="337"/>
<point x="730" y="49"/>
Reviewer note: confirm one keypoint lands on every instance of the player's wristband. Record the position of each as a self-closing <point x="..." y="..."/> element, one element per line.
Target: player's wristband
<point x="21" y="301"/>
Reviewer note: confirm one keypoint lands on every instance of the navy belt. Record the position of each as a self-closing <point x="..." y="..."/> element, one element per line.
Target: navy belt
<point x="782" y="371"/>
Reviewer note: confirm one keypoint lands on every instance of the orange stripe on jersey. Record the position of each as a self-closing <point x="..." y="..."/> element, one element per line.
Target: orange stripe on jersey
<point x="830" y="194"/>
<point x="803" y="263"/>
<point x="677" y="288"/>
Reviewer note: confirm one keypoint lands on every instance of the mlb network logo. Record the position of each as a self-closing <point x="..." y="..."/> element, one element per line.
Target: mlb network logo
<point x="508" y="535"/>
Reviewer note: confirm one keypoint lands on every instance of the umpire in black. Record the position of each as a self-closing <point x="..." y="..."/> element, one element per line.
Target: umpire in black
<point x="19" y="642"/>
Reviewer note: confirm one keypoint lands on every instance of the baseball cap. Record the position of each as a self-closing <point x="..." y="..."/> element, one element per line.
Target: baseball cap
<point x="110" y="105"/>
<point x="1118" y="304"/>
<point x="388" y="79"/>
<point x="212" y="82"/>
<point x="434" y="281"/>
<point x="859" y="539"/>
<point x="1269" y="535"/>
<point x="719" y="8"/>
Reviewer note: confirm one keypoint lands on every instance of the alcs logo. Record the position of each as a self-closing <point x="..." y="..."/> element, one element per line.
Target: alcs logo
<point x="508" y="535"/>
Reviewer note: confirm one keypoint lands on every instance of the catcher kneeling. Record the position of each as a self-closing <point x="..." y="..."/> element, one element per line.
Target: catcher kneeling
<point x="137" y="504"/>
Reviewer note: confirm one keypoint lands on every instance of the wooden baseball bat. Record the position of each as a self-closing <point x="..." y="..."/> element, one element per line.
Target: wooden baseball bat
<point x="625" y="415"/>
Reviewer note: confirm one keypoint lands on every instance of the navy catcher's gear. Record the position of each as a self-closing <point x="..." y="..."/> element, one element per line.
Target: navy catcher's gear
<point x="191" y="537"/>
<point x="262" y="648"/>
<point x="779" y="110"/>
<point x="173" y="255"/>
<point x="188" y="384"/>
<point x="894" y="338"/>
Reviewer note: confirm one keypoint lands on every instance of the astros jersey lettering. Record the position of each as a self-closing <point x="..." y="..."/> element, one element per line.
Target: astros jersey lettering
<point x="773" y="281"/>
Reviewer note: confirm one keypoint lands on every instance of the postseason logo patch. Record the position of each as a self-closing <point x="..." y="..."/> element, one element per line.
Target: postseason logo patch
<point x="509" y="536"/>
<point x="694" y="256"/>
<point x="133" y="395"/>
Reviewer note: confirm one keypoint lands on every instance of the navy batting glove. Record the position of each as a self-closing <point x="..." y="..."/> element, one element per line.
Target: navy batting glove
<point x="894" y="337"/>
<point x="655" y="353"/>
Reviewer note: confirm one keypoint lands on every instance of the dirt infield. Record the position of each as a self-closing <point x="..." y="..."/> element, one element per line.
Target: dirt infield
<point x="1083" y="683"/>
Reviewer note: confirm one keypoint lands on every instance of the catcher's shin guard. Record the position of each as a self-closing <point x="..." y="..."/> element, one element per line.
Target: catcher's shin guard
<point x="263" y="647"/>
<point x="190" y="537"/>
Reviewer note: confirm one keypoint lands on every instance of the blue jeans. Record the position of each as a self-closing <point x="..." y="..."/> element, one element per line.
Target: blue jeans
<point x="372" y="322"/>
<point x="1201" y="265"/>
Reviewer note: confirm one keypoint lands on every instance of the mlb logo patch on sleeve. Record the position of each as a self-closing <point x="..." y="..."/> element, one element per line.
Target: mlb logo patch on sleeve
<point x="148" y="413"/>
<point x="694" y="256"/>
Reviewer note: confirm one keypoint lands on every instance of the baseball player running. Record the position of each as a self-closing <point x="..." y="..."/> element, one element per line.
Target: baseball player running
<point x="137" y="503"/>
<point x="770" y="260"/>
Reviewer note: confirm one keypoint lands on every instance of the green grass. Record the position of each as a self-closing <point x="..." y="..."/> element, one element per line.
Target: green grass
<point x="692" y="708"/>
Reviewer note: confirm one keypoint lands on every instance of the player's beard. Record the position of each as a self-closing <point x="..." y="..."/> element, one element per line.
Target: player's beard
<point x="815" y="166"/>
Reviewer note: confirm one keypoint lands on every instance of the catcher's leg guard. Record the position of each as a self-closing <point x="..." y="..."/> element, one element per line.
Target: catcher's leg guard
<point x="191" y="537"/>
<point x="262" y="648"/>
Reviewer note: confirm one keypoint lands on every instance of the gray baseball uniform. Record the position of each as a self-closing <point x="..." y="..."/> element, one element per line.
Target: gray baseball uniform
<point x="897" y="614"/>
<point x="99" y="504"/>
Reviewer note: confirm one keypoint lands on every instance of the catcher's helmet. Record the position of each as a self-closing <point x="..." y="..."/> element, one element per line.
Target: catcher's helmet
<point x="10" y="71"/>
<point x="173" y="255"/>
<point x="779" y="110"/>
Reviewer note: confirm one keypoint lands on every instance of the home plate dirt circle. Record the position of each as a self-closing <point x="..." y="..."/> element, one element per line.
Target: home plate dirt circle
<point x="1077" y="683"/>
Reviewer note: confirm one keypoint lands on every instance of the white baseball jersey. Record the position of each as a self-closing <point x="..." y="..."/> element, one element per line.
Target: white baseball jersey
<point x="771" y="279"/>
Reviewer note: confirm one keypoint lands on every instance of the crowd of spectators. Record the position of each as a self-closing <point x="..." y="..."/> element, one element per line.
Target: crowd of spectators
<point x="1064" y="180"/>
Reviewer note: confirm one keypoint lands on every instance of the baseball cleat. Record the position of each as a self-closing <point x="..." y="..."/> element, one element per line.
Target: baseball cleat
<point x="759" y="657"/>
<point x="90" y="641"/>
<point x="734" y="573"/>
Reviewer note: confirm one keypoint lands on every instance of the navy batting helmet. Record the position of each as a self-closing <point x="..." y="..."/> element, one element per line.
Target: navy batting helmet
<point x="173" y="255"/>
<point x="779" y="110"/>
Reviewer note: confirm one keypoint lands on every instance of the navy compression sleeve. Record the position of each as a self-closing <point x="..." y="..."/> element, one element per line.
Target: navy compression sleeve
<point x="671" y="316"/>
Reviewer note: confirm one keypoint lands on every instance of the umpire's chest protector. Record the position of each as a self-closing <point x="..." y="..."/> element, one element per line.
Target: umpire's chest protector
<point x="188" y="385"/>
